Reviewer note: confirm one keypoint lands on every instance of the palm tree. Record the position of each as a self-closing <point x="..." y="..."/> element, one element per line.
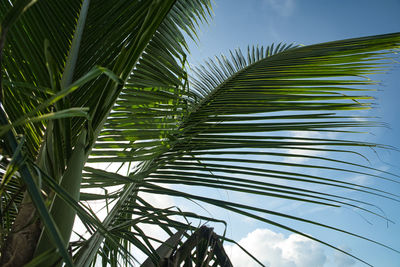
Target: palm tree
<point x="107" y="82"/>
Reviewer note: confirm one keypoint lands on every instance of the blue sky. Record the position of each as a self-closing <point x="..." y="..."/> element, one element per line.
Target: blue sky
<point x="241" y="23"/>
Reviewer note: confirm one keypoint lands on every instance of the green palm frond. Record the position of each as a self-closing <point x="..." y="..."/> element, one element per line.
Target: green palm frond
<point x="161" y="67"/>
<point x="107" y="82"/>
<point x="215" y="72"/>
<point x="234" y="128"/>
<point x="46" y="55"/>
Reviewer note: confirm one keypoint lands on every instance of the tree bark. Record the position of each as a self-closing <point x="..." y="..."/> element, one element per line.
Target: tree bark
<point x="21" y="242"/>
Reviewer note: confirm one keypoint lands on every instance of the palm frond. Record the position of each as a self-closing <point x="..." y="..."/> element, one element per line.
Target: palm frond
<point x="233" y="130"/>
<point x="158" y="80"/>
<point x="40" y="52"/>
<point x="234" y="126"/>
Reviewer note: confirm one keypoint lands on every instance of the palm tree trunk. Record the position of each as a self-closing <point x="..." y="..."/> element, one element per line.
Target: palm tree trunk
<point x="21" y="241"/>
<point x="25" y="232"/>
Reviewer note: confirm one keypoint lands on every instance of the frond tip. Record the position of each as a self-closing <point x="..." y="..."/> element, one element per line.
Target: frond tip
<point x="207" y="78"/>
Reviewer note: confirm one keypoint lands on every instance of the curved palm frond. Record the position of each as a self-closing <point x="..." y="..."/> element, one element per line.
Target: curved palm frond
<point x="235" y="128"/>
<point x="45" y="55"/>
<point x="160" y="66"/>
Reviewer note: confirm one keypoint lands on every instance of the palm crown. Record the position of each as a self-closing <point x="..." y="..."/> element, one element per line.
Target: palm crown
<point x="107" y="82"/>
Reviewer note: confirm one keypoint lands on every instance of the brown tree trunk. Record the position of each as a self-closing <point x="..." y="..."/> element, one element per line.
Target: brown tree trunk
<point x="21" y="242"/>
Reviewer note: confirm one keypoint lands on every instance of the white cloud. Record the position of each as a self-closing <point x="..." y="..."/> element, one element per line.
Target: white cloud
<point x="157" y="200"/>
<point x="305" y="152"/>
<point x="360" y="180"/>
<point x="342" y="260"/>
<point x="284" y="8"/>
<point x="275" y="250"/>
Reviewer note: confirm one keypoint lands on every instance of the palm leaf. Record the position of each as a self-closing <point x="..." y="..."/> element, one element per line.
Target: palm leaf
<point x="163" y="55"/>
<point x="241" y="109"/>
<point x="231" y="128"/>
<point x="26" y="64"/>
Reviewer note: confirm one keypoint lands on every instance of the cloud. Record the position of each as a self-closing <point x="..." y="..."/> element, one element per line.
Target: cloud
<point x="284" y="8"/>
<point x="305" y="152"/>
<point x="342" y="260"/>
<point x="158" y="200"/>
<point x="275" y="250"/>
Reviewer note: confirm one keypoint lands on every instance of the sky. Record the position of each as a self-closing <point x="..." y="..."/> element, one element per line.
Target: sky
<point x="237" y="24"/>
